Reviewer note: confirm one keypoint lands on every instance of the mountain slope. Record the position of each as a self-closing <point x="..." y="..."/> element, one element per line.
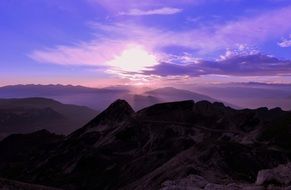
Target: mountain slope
<point x="31" y="114"/>
<point x="123" y="149"/>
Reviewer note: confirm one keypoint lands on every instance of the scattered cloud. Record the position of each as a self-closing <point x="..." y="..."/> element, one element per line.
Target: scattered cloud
<point x="185" y="58"/>
<point x="240" y="50"/>
<point x="285" y="42"/>
<point x="160" y="11"/>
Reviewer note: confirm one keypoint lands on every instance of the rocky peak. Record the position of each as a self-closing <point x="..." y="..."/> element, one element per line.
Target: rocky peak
<point x="117" y="112"/>
<point x="119" y="106"/>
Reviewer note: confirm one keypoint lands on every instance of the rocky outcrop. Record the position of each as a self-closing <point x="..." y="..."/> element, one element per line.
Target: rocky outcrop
<point x="280" y="175"/>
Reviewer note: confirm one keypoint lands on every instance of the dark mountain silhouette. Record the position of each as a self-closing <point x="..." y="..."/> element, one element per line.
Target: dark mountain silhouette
<point x="31" y="114"/>
<point x="177" y="145"/>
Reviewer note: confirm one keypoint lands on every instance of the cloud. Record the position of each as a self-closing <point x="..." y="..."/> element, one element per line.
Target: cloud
<point x="240" y="50"/>
<point x="209" y="38"/>
<point x="111" y="40"/>
<point x="285" y="42"/>
<point x="92" y="54"/>
<point x="238" y="65"/>
<point x="160" y="11"/>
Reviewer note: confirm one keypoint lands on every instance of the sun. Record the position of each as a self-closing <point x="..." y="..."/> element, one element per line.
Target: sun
<point x="134" y="58"/>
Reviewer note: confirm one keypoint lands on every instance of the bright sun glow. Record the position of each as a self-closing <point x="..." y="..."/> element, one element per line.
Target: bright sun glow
<point x="133" y="59"/>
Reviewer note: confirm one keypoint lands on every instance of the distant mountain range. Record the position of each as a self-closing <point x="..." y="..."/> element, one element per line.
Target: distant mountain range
<point x="30" y="114"/>
<point x="176" y="145"/>
<point x="250" y="95"/>
<point x="99" y="99"/>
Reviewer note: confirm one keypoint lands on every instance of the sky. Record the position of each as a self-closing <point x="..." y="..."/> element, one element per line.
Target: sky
<point x="151" y="42"/>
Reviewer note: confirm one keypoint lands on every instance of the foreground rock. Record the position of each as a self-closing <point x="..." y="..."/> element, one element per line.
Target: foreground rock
<point x="280" y="175"/>
<point x="200" y="145"/>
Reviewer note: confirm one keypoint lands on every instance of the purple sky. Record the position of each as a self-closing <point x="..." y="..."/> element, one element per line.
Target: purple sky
<point x="161" y="42"/>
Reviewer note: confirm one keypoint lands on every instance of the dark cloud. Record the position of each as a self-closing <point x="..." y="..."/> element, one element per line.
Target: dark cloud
<point x="247" y="65"/>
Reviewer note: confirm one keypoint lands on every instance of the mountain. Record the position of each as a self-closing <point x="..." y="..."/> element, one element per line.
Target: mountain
<point x="176" y="145"/>
<point x="30" y="90"/>
<point x="95" y="98"/>
<point x="100" y="98"/>
<point x="31" y="114"/>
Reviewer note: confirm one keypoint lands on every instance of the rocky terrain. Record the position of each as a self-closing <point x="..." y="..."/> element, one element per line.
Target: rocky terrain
<point x="177" y="145"/>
